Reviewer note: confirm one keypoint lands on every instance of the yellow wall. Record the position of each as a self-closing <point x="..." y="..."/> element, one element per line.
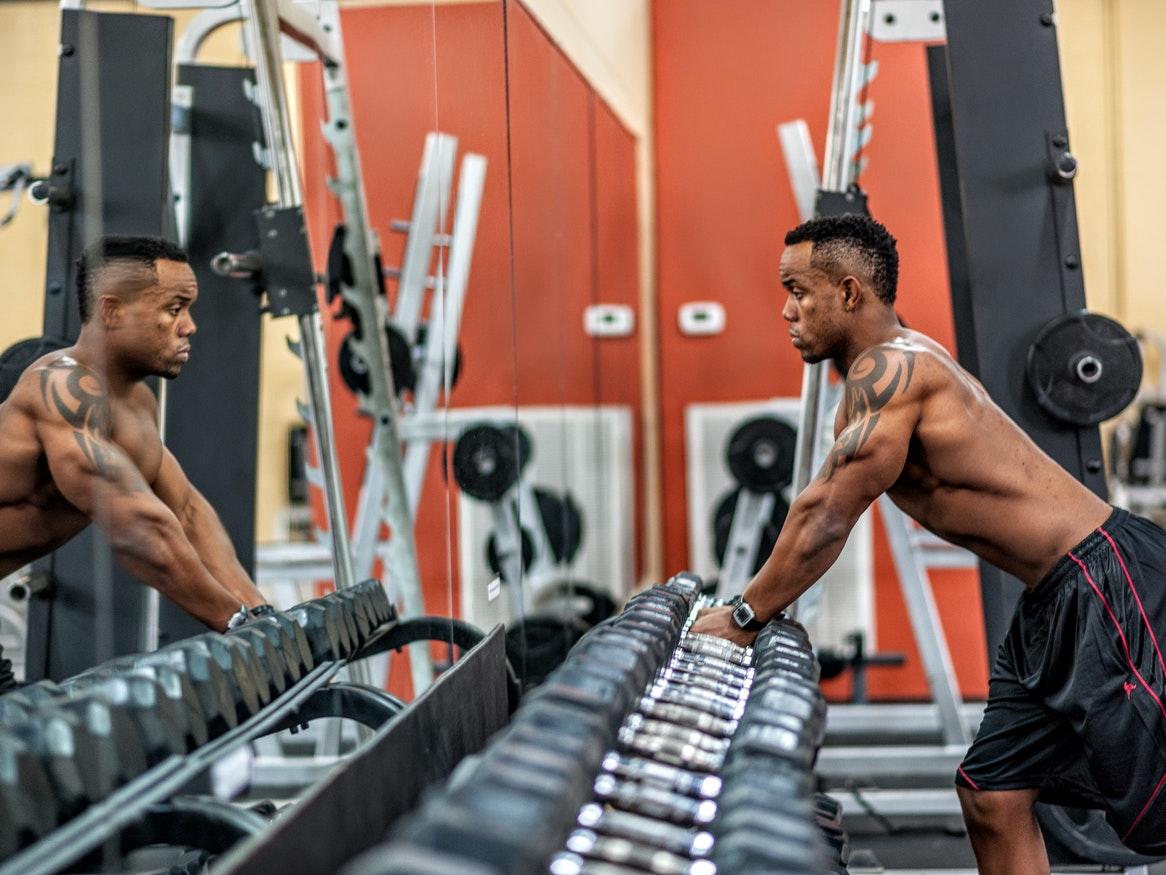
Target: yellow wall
<point x="1115" y="79"/>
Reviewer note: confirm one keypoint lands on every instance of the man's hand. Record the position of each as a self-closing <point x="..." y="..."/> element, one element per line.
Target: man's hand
<point x="719" y="622"/>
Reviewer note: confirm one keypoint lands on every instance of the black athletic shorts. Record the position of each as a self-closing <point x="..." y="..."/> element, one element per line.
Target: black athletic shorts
<point x="1076" y="697"/>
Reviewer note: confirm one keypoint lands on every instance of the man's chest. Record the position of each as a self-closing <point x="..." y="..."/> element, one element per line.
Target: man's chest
<point x="135" y="431"/>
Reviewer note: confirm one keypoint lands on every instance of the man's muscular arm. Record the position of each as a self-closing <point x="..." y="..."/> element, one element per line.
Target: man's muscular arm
<point x="880" y="415"/>
<point x="204" y="530"/>
<point x="74" y="422"/>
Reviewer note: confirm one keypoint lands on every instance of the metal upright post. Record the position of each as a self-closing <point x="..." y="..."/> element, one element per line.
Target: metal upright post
<point x="365" y="298"/>
<point x="261" y="21"/>
<point x="838" y="173"/>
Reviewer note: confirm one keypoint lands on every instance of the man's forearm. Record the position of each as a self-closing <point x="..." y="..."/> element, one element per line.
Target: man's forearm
<point x="159" y="554"/>
<point x="810" y="541"/>
<point x="212" y="544"/>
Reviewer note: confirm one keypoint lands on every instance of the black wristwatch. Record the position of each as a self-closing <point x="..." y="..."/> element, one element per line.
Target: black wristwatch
<point x="744" y="616"/>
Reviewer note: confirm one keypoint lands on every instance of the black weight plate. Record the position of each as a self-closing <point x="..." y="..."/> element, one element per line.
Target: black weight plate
<point x="353" y="370"/>
<point x="563" y="521"/>
<point x="485" y="462"/>
<point x="1080" y="835"/>
<point x="760" y="454"/>
<point x="1084" y="368"/>
<point x="422" y="333"/>
<point x="19" y="356"/>
<point x="492" y="552"/>
<point x="723" y="524"/>
<point x="401" y="360"/>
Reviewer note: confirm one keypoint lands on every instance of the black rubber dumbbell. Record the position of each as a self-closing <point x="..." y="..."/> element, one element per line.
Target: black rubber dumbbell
<point x="28" y="808"/>
<point x="323" y="629"/>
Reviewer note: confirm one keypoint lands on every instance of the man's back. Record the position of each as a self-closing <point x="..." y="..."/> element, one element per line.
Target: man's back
<point x="974" y="477"/>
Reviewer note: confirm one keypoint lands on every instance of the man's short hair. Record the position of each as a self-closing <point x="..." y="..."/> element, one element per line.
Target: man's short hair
<point x="143" y="252"/>
<point x="844" y="243"/>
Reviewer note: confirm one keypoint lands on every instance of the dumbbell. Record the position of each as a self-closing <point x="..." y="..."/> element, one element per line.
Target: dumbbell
<point x="627" y="855"/>
<point x="174" y="684"/>
<point x="378" y="599"/>
<point x="240" y="673"/>
<point x="774" y="742"/>
<point x="637" y="828"/>
<point x="655" y="802"/>
<point x="217" y="693"/>
<point x="638" y="725"/>
<point x="507" y="818"/>
<point x="627" y="657"/>
<point x="764" y="776"/>
<point x="28" y="808"/>
<point x="697" y="785"/>
<point x="703" y="700"/>
<point x="277" y="674"/>
<point x="671" y="751"/>
<point x="711" y="665"/>
<point x="686" y="677"/>
<point x="155" y="716"/>
<point x="760" y="851"/>
<point x="587" y="690"/>
<point x="323" y="629"/>
<point x="356" y="621"/>
<point x="519" y="752"/>
<point x="289" y="636"/>
<point x="721" y="648"/>
<point x="403" y="858"/>
<point x="684" y="715"/>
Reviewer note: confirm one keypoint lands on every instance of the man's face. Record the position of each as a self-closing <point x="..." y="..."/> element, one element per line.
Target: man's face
<point x="156" y="325"/>
<point x="813" y="306"/>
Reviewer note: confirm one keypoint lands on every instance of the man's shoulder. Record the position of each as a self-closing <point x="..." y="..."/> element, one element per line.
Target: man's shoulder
<point x="59" y="386"/>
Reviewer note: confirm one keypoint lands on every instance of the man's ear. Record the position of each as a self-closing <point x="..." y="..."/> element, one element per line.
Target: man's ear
<point x="851" y="291"/>
<point x="109" y="311"/>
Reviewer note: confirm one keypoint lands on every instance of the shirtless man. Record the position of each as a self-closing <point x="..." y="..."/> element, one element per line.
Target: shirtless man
<point x="1075" y="709"/>
<point x="79" y="439"/>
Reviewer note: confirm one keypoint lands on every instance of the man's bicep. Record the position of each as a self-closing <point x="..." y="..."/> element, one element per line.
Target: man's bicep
<point x="73" y="424"/>
<point x="172" y="484"/>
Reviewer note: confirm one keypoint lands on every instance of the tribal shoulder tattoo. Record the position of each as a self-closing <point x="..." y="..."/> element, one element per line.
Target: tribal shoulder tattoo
<point x="873" y="380"/>
<point x="78" y="395"/>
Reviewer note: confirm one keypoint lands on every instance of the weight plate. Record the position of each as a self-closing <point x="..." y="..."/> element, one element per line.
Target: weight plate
<point x="1084" y="368"/>
<point x="723" y="523"/>
<point x="1079" y="835"/>
<point x="485" y="462"/>
<point x="584" y="600"/>
<point x="563" y="523"/>
<point x="353" y="370"/>
<point x="19" y="356"/>
<point x="418" y="354"/>
<point x="761" y="454"/>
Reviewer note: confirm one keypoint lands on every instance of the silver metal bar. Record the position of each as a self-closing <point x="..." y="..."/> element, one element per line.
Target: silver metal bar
<point x="261" y="20"/>
<point x="181" y="100"/>
<point x="925" y="622"/>
<point x="302" y="26"/>
<point x="897" y="719"/>
<point x="508" y="546"/>
<point x="434" y="179"/>
<point x="749" y="518"/>
<point x="838" y="167"/>
<point x="446" y="316"/>
<point x="891" y="762"/>
<point x="201" y="27"/>
<point x="801" y="164"/>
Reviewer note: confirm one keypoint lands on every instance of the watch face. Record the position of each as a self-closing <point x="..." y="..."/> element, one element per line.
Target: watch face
<point x="743" y="614"/>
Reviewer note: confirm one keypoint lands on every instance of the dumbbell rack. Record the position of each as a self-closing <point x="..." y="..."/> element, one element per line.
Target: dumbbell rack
<point x="649" y="749"/>
<point x="275" y="674"/>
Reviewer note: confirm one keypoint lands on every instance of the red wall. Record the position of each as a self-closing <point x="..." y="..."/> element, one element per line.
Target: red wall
<point x="557" y="229"/>
<point x="726" y="73"/>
